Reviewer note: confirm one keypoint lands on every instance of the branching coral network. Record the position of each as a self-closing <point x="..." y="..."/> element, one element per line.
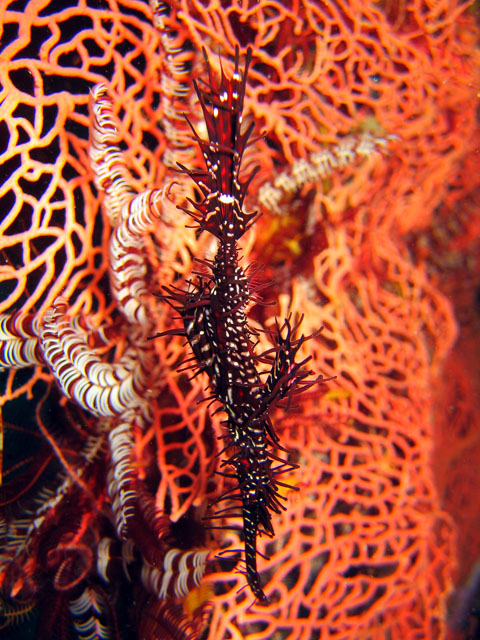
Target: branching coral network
<point x="364" y="119"/>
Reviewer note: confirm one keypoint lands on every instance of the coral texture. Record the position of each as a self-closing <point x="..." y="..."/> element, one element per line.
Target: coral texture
<point x="364" y="114"/>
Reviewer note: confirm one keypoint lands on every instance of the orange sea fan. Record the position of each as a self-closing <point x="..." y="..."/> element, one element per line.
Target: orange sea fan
<point x="324" y="70"/>
<point x="51" y="58"/>
<point x="363" y="550"/>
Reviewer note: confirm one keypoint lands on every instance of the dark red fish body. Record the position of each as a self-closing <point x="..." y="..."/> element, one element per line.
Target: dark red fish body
<point x="215" y="323"/>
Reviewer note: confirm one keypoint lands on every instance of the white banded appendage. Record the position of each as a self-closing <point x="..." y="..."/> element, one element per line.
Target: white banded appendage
<point x="176" y="84"/>
<point x="108" y="163"/>
<point x="87" y="611"/>
<point x="320" y="165"/>
<point x="128" y="268"/>
<point x="104" y="389"/>
<point x="19" y="344"/>
<point x="181" y="572"/>
<point x="20" y="341"/>
<point x="121" y="485"/>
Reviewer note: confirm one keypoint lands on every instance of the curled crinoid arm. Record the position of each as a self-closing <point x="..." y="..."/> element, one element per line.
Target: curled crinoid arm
<point x="91" y="613"/>
<point x="19" y="344"/>
<point x="34" y="522"/>
<point x="121" y="485"/>
<point x="128" y="266"/>
<point x="350" y="150"/>
<point x="178" y="574"/>
<point x="176" y="89"/>
<point x="108" y="163"/>
<point x="137" y="517"/>
<point x="101" y="388"/>
<point x="131" y="215"/>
